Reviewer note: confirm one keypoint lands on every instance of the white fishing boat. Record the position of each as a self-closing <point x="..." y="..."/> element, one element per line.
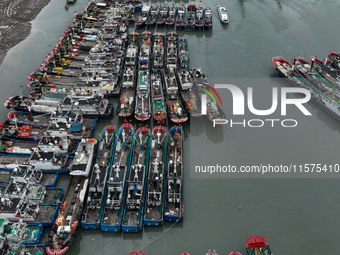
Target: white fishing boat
<point x="222" y="13"/>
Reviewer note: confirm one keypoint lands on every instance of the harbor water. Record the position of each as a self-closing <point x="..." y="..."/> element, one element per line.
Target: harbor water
<point x="298" y="215"/>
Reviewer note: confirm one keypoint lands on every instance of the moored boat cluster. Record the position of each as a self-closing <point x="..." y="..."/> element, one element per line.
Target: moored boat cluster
<point x="128" y="179"/>
<point x="321" y="78"/>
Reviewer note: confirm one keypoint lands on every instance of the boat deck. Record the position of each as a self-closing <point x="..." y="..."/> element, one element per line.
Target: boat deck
<point x="7" y="160"/>
<point x="131" y="218"/>
<point x="153" y="213"/>
<point x="46" y="213"/>
<point x="62" y="80"/>
<point x="48" y="178"/>
<point x="51" y="196"/>
<point x="5" y="178"/>
<point x="25" y="145"/>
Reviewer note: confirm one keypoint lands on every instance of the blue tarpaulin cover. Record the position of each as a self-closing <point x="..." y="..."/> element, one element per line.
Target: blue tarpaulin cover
<point x="76" y="127"/>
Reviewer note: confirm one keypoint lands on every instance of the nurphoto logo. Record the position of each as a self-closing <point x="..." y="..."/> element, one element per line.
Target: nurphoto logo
<point x="239" y="99"/>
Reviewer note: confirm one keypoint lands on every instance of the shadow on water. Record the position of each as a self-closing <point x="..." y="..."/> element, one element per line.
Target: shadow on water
<point x="196" y="126"/>
<point x="279" y="4"/>
<point x="214" y="134"/>
<point x="132" y="236"/>
<point x="158" y="230"/>
<point x="208" y="32"/>
<point x="243" y="11"/>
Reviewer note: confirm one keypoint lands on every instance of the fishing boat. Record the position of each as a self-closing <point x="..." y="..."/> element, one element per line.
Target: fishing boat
<point x="143" y="101"/>
<point x="183" y="53"/>
<point x="127" y="97"/>
<point x="190" y="17"/>
<point x="97" y="182"/>
<point x="175" y="176"/>
<point x="159" y="104"/>
<point x="191" y="102"/>
<point x="180" y="22"/>
<point x="96" y="106"/>
<point x="323" y="98"/>
<point x="163" y="15"/>
<point x="49" y="161"/>
<point x="140" y="22"/>
<point x="326" y="71"/>
<point x="222" y="13"/>
<point x="175" y="108"/>
<point x="207" y="16"/>
<point x="171" y="50"/>
<point x="116" y="186"/>
<point x="257" y="245"/>
<point x="235" y="253"/>
<point x="136" y="182"/>
<point x="334" y="59"/>
<point x="58" y="144"/>
<point x="158" y="51"/>
<point x="82" y="161"/>
<point x="65" y="227"/>
<point x="153" y="17"/>
<point x="132" y="49"/>
<point x="154" y="204"/>
<point x="199" y="18"/>
<point x="214" y="111"/>
<point x="171" y="19"/>
<point x="145" y="51"/>
<point x="16" y="147"/>
<point x="305" y="69"/>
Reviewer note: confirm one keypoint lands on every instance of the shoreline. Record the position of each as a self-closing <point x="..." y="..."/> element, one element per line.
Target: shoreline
<point x="15" y="22"/>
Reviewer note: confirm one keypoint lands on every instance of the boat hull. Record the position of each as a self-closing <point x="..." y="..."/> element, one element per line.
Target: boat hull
<point x="153" y="223"/>
<point x="132" y="228"/>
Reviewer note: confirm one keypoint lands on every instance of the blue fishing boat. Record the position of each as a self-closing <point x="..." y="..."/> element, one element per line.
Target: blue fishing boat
<point x="136" y="182"/>
<point x="175" y="176"/>
<point x="111" y="219"/>
<point x="207" y="15"/>
<point x="199" y="18"/>
<point x="154" y="204"/>
<point x="97" y="182"/>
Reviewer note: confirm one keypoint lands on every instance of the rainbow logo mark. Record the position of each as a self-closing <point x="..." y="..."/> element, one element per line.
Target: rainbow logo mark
<point x="204" y="97"/>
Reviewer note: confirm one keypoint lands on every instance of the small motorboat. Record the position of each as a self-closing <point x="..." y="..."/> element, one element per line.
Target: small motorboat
<point x="222" y="13"/>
